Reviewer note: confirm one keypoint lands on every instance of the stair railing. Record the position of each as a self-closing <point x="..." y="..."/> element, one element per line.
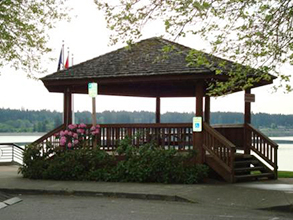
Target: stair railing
<point x="49" y="138"/>
<point x="262" y="146"/>
<point x="219" y="147"/>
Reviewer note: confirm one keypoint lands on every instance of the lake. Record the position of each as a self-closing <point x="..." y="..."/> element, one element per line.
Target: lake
<point x="285" y="152"/>
<point x="19" y="138"/>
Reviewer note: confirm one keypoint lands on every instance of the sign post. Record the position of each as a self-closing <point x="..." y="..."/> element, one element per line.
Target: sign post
<point x="93" y="92"/>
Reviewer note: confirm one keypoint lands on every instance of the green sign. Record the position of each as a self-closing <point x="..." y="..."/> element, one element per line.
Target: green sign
<point x="197" y="124"/>
<point x="93" y="89"/>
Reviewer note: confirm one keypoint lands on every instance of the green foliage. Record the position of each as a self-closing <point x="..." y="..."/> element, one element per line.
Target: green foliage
<point x="35" y="163"/>
<point x="28" y="121"/>
<point x="23" y="27"/>
<point x="44" y="121"/>
<point x="136" y="164"/>
<point x="151" y="164"/>
<point x="255" y="33"/>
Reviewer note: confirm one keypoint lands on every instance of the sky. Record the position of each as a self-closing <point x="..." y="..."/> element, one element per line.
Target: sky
<point x="87" y="37"/>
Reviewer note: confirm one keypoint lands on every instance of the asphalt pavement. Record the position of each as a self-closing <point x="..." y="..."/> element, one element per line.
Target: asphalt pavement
<point x="48" y="207"/>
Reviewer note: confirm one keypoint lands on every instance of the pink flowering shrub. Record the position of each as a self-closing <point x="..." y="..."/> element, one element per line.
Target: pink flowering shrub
<point x="76" y="134"/>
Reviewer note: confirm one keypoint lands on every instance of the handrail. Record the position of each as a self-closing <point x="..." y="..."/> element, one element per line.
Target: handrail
<point x="220" y="137"/>
<point x="49" y="134"/>
<point x="219" y="147"/>
<point x="147" y="125"/>
<point x="262" y="146"/>
<point x="42" y="142"/>
<point x="12" y="144"/>
<point x="271" y="142"/>
<point x="11" y="152"/>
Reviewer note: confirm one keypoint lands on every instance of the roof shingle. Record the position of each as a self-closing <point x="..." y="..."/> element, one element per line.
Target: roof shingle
<point x="141" y="59"/>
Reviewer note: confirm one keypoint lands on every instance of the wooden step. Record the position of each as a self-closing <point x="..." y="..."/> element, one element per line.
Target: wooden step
<point x="242" y="156"/>
<point x="244" y="169"/>
<point x="246" y="162"/>
<point x="253" y="176"/>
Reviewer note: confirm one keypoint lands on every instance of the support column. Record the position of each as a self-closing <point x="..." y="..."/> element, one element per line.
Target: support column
<point x="158" y="110"/>
<point x="247" y="109"/>
<point x="67" y="107"/>
<point x="247" y="120"/>
<point x="198" y="136"/>
<point x="207" y="110"/>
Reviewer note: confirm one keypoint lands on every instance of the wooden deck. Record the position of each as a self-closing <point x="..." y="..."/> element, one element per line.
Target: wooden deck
<point x="235" y="152"/>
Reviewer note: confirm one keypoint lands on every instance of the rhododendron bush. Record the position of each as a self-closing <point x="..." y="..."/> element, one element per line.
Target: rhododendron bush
<point x="76" y="135"/>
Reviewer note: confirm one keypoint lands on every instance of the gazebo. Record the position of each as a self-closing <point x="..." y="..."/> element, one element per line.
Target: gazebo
<point x="145" y="69"/>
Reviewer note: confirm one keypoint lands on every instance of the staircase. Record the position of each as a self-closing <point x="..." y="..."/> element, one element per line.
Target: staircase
<point x="248" y="167"/>
<point x="220" y="153"/>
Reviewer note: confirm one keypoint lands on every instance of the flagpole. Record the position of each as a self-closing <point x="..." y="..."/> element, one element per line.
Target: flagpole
<point x="72" y="96"/>
<point x="62" y="58"/>
<point x="63" y="53"/>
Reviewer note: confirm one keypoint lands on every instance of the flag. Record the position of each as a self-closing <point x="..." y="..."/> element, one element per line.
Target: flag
<point x="67" y="63"/>
<point x="60" y="63"/>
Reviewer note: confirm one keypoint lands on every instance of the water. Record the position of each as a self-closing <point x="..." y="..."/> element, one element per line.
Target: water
<point x="285" y="152"/>
<point x="19" y="138"/>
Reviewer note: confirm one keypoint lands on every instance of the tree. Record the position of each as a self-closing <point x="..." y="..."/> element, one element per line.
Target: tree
<point x="23" y="28"/>
<point x="254" y="33"/>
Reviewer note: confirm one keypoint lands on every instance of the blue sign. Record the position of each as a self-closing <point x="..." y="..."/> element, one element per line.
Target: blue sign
<point x="197" y="124"/>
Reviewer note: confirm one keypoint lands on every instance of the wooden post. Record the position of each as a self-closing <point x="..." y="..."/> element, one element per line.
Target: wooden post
<point x="247" y="120"/>
<point x="198" y="136"/>
<point x="94" y="120"/>
<point x="207" y="110"/>
<point x="247" y="109"/>
<point x="67" y="107"/>
<point x="158" y="110"/>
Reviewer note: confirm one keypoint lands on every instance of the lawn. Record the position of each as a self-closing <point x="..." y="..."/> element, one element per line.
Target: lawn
<point x="285" y="174"/>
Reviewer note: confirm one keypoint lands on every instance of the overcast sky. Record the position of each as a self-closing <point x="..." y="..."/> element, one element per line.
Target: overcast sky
<point x="87" y="37"/>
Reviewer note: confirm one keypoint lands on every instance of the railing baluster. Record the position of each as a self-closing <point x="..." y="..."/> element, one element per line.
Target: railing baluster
<point x="268" y="149"/>
<point x="219" y="147"/>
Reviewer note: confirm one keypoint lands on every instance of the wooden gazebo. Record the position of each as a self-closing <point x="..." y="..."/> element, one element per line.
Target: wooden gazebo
<point x="145" y="69"/>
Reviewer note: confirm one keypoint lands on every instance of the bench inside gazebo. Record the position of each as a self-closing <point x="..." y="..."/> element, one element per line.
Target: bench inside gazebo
<point x="235" y="152"/>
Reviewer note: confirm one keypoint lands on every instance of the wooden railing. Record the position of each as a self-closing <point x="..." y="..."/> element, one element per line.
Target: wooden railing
<point x="50" y="137"/>
<point x="262" y="146"/>
<point x="221" y="149"/>
<point x="167" y="136"/>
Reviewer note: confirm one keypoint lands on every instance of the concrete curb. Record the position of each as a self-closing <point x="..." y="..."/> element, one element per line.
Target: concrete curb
<point x="2" y="205"/>
<point x="142" y="196"/>
<point x="9" y="202"/>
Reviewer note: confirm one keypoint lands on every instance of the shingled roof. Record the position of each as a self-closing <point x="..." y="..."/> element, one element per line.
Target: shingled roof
<point x="141" y="62"/>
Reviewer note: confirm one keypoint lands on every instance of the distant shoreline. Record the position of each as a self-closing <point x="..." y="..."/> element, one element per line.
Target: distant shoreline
<point x="22" y="133"/>
<point x="277" y="132"/>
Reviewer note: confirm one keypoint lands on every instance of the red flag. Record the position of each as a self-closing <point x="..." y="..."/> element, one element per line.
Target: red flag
<point x="67" y="63"/>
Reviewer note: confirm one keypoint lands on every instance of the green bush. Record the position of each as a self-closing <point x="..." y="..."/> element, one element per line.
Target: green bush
<point x="146" y="163"/>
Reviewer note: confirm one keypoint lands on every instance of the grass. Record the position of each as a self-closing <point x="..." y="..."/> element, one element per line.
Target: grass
<point x="281" y="174"/>
<point x="285" y="174"/>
